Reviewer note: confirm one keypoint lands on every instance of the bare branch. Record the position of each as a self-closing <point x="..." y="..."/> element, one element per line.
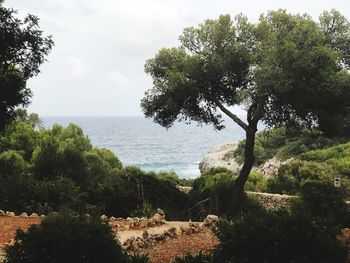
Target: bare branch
<point x="233" y="116"/>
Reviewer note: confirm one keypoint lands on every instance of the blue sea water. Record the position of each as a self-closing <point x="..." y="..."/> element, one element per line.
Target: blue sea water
<point x="138" y="141"/>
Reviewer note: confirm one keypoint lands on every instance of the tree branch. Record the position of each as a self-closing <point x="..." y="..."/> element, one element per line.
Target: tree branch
<point x="233" y="116"/>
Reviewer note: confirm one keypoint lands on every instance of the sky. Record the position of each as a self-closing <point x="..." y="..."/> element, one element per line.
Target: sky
<point x="96" y="67"/>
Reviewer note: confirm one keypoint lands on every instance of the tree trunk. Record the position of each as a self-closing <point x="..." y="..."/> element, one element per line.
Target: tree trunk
<point x="237" y="191"/>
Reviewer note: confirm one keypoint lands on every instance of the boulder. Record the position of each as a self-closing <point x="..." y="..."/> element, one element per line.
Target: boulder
<point x="104" y="218"/>
<point x="24" y="215"/>
<point x="34" y="215"/>
<point x="171" y="232"/>
<point x="195" y="227"/>
<point x="159" y="237"/>
<point x="11" y="214"/>
<point x="2" y="213"/>
<point x="185" y="230"/>
<point x="159" y="217"/>
<point x="210" y="220"/>
<point x="129" y="244"/>
<point x="145" y="235"/>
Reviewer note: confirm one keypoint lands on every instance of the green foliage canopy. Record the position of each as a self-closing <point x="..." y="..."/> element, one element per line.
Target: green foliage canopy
<point x="23" y="49"/>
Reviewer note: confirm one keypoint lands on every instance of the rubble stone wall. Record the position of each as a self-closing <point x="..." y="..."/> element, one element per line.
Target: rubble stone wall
<point x="273" y="201"/>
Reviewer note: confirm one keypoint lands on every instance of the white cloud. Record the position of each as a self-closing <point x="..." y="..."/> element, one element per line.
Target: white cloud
<point x="77" y="69"/>
<point x="117" y="79"/>
<point x="101" y="46"/>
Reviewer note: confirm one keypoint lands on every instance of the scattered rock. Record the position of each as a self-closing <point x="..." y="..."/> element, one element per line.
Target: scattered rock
<point x="11" y="214"/>
<point x="195" y="228"/>
<point x="24" y="215"/>
<point x="159" y="237"/>
<point x="34" y="215"/>
<point x="171" y="232"/>
<point x="145" y="235"/>
<point x="185" y="189"/>
<point x="210" y="220"/>
<point x="185" y="230"/>
<point x="104" y="218"/>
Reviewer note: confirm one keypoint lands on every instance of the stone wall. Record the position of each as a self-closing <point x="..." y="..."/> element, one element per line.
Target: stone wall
<point x="272" y="201"/>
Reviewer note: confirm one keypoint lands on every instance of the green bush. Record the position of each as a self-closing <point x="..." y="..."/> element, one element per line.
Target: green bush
<point x="256" y="182"/>
<point x="284" y="143"/>
<point x="199" y="258"/>
<point x="19" y="137"/>
<point x="265" y="236"/>
<point x="341" y="165"/>
<point x="58" y="169"/>
<point x="216" y="185"/>
<point x="65" y="239"/>
<point x="322" y="155"/>
<point x="293" y="175"/>
<point x="325" y="203"/>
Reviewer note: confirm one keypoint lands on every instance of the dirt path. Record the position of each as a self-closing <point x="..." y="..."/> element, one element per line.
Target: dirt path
<point x="204" y="241"/>
<point x="162" y="252"/>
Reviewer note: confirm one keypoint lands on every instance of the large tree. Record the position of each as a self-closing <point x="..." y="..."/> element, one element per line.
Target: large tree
<point x="283" y="69"/>
<point x="22" y="50"/>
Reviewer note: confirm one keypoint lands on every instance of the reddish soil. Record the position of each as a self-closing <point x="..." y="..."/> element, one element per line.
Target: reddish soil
<point x="204" y="241"/>
<point x="161" y="253"/>
<point x="9" y="225"/>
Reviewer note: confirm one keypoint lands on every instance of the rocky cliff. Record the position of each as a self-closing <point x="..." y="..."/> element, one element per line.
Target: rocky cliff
<point x="221" y="156"/>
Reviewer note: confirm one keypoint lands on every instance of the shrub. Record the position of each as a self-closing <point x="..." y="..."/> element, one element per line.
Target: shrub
<point x="325" y="203"/>
<point x="265" y="236"/>
<point x="65" y="239"/>
<point x="199" y="258"/>
<point x="341" y="165"/>
<point x="338" y="151"/>
<point x="150" y="192"/>
<point x="285" y="143"/>
<point x="216" y="185"/>
<point x="58" y="169"/>
<point x="256" y="182"/>
<point x="293" y="175"/>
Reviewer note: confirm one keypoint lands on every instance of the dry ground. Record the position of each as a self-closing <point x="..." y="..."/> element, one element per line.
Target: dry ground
<point x="161" y="253"/>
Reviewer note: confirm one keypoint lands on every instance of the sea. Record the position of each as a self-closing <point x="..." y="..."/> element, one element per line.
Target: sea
<point x="139" y="141"/>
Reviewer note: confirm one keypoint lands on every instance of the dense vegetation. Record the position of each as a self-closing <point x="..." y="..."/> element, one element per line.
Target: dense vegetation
<point x="58" y="169"/>
<point x="284" y="143"/>
<point x="304" y="233"/>
<point x="285" y="69"/>
<point x="315" y="158"/>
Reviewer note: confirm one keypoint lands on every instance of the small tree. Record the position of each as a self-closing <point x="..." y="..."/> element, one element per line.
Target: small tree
<point x="282" y="69"/>
<point x="22" y="50"/>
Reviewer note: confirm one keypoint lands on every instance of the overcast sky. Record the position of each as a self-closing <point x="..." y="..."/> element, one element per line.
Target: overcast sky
<point x="96" y="66"/>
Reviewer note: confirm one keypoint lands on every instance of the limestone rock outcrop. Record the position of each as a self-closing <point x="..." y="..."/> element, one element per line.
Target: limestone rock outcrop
<point x="216" y="157"/>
